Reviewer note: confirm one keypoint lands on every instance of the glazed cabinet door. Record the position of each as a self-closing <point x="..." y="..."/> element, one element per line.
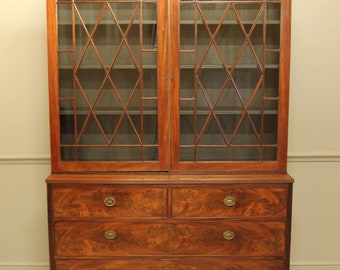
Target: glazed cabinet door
<point x="169" y="85"/>
<point x="108" y="85"/>
<point x="230" y="70"/>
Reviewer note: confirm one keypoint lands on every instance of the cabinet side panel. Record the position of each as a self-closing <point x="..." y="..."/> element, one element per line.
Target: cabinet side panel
<point x="284" y="82"/>
<point x="52" y="46"/>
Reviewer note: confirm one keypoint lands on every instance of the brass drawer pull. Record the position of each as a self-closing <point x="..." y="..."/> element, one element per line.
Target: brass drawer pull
<point x="228" y="235"/>
<point x="110" y="234"/>
<point x="229" y="201"/>
<point x="110" y="201"/>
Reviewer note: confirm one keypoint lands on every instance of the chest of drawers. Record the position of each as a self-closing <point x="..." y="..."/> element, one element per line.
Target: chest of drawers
<point x="177" y="222"/>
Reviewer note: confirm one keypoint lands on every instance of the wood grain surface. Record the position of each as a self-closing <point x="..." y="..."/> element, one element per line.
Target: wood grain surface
<point x="169" y="238"/>
<point x="130" y="202"/>
<point x="262" y="201"/>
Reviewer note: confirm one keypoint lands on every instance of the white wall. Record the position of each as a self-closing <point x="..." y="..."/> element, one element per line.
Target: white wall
<point x="314" y="146"/>
<point x="314" y="135"/>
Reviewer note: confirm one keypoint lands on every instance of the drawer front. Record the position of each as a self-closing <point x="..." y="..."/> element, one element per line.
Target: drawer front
<point x="223" y="238"/>
<point x="113" y="264"/>
<point x="230" y="201"/>
<point x="242" y="238"/>
<point x="175" y="264"/>
<point x="220" y="264"/>
<point x="109" y="202"/>
<point x="91" y="239"/>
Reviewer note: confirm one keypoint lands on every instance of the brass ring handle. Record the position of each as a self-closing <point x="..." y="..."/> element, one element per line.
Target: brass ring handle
<point x="229" y="235"/>
<point x="110" y="201"/>
<point x="229" y="201"/>
<point x="110" y="234"/>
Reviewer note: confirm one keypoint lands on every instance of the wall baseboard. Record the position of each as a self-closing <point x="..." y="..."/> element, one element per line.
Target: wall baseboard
<point x="307" y="266"/>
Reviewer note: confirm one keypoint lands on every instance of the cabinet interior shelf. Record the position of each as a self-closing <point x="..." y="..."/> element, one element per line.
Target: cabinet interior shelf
<point x="110" y="22"/>
<point x="231" y="22"/>
<point x="189" y="112"/>
<point x="240" y="66"/>
<point x="183" y="22"/>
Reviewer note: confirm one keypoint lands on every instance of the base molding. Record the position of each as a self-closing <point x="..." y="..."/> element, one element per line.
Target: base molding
<point x="306" y="266"/>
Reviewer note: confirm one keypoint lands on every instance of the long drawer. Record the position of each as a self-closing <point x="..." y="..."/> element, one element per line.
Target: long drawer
<point x="141" y="238"/>
<point x="168" y="264"/>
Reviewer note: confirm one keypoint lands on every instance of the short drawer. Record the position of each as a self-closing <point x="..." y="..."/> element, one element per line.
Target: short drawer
<point x="224" y="238"/>
<point x="109" y="202"/>
<point x="230" y="201"/>
<point x="115" y="264"/>
<point x="223" y="264"/>
<point x="92" y="239"/>
<point x="210" y="238"/>
<point x="168" y="264"/>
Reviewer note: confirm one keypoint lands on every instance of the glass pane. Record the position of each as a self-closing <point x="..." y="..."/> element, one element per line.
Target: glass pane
<point x="229" y="60"/>
<point x="64" y="13"/>
<point x="108" y="80"/>
<point x="65" y="75"/>
<point x="108" y="153"/>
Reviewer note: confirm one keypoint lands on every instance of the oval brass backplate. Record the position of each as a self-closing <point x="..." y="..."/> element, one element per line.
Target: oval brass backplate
<point x="229" y="201"/>
<point x="110" y="201"/>
<point x="228" y="235"/>
<point x="110" y="234"/>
